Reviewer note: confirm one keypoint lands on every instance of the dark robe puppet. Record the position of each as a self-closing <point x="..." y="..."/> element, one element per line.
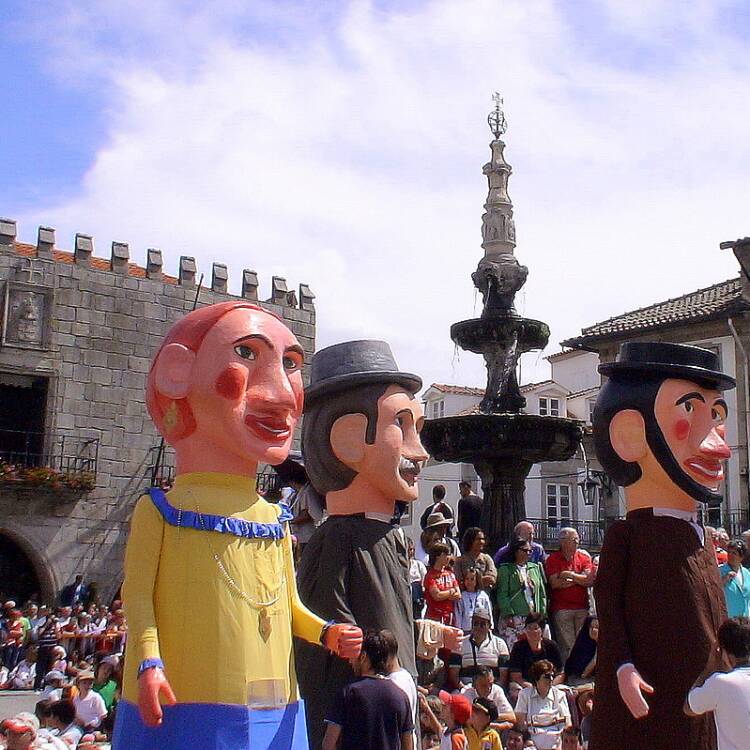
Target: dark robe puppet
<point x="362" y="452"/>
<point x="659" y="432"/>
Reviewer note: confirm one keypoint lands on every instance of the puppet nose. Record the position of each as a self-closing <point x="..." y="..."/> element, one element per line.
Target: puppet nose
<point x="715" y="446"/>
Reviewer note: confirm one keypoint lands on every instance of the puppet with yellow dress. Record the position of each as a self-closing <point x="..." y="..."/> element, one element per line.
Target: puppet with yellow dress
<point x="209" y="590"/>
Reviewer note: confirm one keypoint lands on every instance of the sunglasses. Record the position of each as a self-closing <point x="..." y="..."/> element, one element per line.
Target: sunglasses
<point x="549" y="675"/>
<point x="480" y="623"/>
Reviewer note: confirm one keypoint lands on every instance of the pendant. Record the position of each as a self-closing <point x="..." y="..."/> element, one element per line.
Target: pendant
<point x="264" y="624"/>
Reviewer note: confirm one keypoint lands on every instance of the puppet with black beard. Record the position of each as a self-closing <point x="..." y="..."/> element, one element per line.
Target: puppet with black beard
<point x="659" y="433"/>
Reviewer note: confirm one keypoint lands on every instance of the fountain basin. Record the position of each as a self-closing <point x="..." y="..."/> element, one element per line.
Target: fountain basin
<point x="473" y="438"/>
<point x="480" y="335"/>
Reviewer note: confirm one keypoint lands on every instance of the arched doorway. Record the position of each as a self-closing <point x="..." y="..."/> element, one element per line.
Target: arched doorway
<point x="19" y="578"/>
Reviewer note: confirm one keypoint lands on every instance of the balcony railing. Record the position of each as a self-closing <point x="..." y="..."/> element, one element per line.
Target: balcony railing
<point x="54" y="460"/>
<point x="547" y="532"/>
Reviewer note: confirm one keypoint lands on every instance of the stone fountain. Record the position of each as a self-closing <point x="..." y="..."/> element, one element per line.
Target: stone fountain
<point x="500" y="441"/>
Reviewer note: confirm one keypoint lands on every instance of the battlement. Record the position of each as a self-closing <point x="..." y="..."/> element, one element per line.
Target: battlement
<point x="119" y="263"/>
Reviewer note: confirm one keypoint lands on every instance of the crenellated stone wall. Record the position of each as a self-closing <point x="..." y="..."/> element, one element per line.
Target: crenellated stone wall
<point x="90" y="326"/>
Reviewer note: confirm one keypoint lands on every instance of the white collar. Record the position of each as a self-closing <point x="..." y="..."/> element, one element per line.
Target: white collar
<point x="382" y="517"/>
<point x="683" y="515"/>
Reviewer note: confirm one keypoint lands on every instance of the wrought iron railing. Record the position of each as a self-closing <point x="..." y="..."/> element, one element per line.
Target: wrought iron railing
<point x="69" y="454"/>
<point x="547" y="532"/>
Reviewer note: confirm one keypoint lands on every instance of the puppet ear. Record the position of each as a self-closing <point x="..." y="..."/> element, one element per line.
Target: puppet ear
<point x="172" y="370"/>
<point x="348" y="438"/>
<point x="627" y="433"/>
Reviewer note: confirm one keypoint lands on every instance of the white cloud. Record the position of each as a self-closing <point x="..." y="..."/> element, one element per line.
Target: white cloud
<point x="351" y="160"/>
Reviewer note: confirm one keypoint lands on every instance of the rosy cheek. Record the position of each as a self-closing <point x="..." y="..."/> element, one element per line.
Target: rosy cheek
<point x="681" y="429"/>
<point x="231" y="383"/>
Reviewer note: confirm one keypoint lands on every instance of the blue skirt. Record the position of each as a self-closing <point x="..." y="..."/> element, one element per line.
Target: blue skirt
<point x="211" y="726"/>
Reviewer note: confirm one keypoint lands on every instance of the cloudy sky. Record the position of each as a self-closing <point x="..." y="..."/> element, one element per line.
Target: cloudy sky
<point x="341" y="144"/>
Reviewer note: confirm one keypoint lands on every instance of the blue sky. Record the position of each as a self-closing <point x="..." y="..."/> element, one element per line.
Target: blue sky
<point x="341" y="144"/>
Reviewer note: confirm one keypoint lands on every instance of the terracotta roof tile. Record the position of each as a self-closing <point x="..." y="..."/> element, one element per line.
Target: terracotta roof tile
<point x="717" y="300"/>
<point x="98" y="264"/>
<point x="458" y="390"/>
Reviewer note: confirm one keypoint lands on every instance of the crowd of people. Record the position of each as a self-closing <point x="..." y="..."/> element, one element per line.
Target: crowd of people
<point x="71" y="656"/>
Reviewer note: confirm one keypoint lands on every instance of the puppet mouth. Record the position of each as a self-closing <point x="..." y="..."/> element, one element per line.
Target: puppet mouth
<point x="268" y="428"/>
<point x="409" y="470"/>
<point x="706" y="468"/>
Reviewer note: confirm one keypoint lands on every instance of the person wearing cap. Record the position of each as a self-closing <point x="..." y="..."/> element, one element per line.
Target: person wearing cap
<point x="659" y="430"/>
<point x="436" y="530"/>
<point x="89" y="705"/>
<point x="20" y="731"/>
<point x="481" y="649"/>
<point x="360" y="440"/>
<point x="455" y="714"/>
<point x="54" y="681"/>
<point x="479" y="733"/>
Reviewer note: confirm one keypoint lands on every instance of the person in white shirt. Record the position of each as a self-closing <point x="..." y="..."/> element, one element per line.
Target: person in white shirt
<point x="481" y="648"/>
<point x="401" y="678"/>
<point x="472" y="597"/>
<point x="727" y="694"/>
<point x="543" y="709"/>
<point x="90" y="708"/>
<point x="22" y="676"/>
<point x="484" y="686"/>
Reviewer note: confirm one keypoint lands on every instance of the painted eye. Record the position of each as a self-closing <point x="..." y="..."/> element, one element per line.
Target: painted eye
<point x="688" y="406"/>
<point x="716" y="415"/>
<point x="291" y="364"/>
<point x="245" y="352"/>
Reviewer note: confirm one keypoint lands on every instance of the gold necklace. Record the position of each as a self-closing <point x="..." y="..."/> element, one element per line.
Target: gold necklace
<point x="264" y="620"/>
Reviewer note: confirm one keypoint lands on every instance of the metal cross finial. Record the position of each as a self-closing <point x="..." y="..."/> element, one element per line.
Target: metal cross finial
<point x="496" y="118"/>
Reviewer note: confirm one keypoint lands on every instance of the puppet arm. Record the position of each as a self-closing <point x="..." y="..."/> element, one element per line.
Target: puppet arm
<point x="610" y="607"/>
<point x="141" y="566"/>
<point x="343" y="639"/>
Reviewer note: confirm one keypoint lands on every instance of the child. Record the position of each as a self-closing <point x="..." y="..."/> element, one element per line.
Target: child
<point x="455" y="713"/>
<point x="472" y="597"/>
<point x="480" y="734"/>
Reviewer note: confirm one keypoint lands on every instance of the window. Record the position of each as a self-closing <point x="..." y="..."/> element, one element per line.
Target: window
<point x="591" y="405"/>
<point x="438" y="409"/>
<point x="549" y="407"/>
<point x="558" y="503"/>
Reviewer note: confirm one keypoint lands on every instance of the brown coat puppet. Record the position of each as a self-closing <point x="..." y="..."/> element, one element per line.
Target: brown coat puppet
<point x="659" y="432"/>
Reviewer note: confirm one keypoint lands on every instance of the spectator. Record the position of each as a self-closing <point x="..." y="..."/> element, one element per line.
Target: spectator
<point x="736" y="579"/>
<point x="514" y="690"/>
<point x="515" y="738"/>
<point x="472" y="597"/>
<point x="401" y="677"/>
<point x="20" y="732"/>
<point x="482" y="649"/>
<point x="437" y="531"/>
<point x="89" y="705"/>
<point x="62" y="720"/>
<point x="581" y="664"/>
<point x="23" y="675"/>
<point x="585" y="703"/>
<point x="727" y="695"/>
<point x="543" y="708"/>
<point x="456" y="712"/>
<point x="525" y="530"/>
<point x="570" y="575"/>
<point x="484" y="686"/>
<point x="105" y="684"/>
<point x="469" y="509"/>
<point x="474" y="556"/>
<point x="74" y="593"/>
<point x="53" y="685"/>
<point x="440" y="585"/>
<point x="533" y="647"/>
<point x="14" y="638"/>
<point x="715" y="537"/>
<point x="479" y="733"/>
<point x="521" y="590"/>
<point x="373" y="713"/>
<point x="438" y="506"/>
<point x="417" y="572"/>
<point x="745" y="536"/>
<point x="571" y="739"/>
<point x="47" y="641"/>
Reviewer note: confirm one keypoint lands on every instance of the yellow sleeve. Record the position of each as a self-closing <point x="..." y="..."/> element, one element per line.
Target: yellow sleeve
<point x="305" y="624"/>
<point x="141" y="565"/>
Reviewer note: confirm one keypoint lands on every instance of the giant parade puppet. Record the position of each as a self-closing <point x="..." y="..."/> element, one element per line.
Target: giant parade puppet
<point x="658" y="432"/>
<point x="209" y="587"/>
<point x="360" y="439"/>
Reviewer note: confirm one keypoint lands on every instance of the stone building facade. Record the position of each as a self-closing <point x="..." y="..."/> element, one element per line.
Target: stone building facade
<point x="77" y="447"/>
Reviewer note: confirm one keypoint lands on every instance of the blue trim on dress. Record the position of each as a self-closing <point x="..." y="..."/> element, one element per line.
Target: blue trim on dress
<point x="221" y="524"/>
<point x="212" y="726"/>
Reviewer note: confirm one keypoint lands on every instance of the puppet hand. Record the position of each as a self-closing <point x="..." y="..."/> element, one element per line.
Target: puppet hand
<point x="151" y="684"/>
<point x="344" y="640"/>
<point x="632" y="686"/>
<point x="453" y="639"/>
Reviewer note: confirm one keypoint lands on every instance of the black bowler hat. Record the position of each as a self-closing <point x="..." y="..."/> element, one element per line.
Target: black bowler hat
<point x="671" y="360"/>
<point x="353" y="363"/>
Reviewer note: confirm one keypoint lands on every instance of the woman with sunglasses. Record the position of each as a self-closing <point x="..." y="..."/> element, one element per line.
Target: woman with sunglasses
<point x="543" y="709"/>
<point x="521" y="590"/>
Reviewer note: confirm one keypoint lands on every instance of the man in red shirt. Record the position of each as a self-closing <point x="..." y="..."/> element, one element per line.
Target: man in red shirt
<point x="570" y="574"/>
<point x="440" y="585"/>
